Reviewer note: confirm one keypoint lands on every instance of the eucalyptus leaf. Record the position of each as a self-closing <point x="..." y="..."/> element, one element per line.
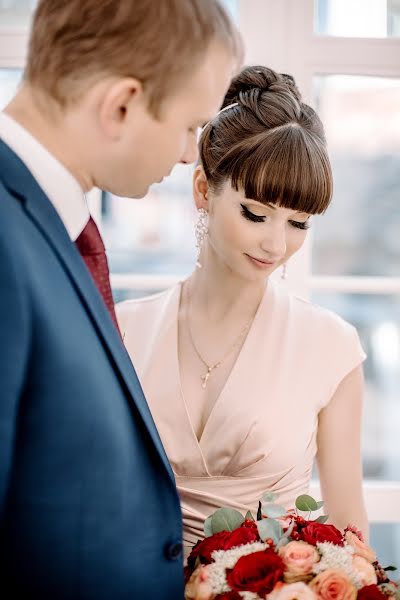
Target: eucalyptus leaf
<point x="289" y="530"/>
<point x="226" y="519"/>
<point x="269" y="528"/>
<point x="274" y="511"/>
<point x="283" y="541"/>
<point x="249" y="516"/>
<point x="208" y="530"/>
<point x="269" y="497"/>
<point x="306" y="503"/>
<point x="320" y="504"/>
<point x="322" y="519"/>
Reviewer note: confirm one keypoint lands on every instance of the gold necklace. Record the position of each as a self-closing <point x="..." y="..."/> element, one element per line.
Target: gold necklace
<point x="211" y="368"/>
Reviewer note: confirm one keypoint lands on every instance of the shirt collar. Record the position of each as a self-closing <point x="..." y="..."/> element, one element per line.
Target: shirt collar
<point x="59" y="185"/>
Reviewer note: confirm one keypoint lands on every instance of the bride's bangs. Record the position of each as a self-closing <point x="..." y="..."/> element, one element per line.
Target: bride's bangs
<point x="286" y="166"/>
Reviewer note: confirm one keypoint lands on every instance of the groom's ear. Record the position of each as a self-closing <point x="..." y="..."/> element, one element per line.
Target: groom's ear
<point x="118" y="104"/>
<point x="200" y="188"/>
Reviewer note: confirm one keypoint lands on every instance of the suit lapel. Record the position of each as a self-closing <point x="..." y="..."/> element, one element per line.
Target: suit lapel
<point x="20" y="182"/>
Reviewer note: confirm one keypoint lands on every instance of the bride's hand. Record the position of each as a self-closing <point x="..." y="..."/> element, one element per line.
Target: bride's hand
<point x="198" y="587"/>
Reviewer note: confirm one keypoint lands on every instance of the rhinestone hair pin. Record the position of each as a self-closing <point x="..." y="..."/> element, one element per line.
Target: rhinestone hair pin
<point x="219" y="112"/>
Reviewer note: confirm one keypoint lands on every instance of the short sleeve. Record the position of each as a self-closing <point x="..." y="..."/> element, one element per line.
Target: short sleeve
<point x="345" y="351"/>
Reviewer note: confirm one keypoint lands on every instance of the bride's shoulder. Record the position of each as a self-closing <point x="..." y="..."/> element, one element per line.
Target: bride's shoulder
<point x="320" y="319"/>
<point x="140" y="308"/>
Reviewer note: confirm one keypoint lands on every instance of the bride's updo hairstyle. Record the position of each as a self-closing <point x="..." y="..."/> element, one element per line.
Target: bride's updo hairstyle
<point x="270" y="145"/>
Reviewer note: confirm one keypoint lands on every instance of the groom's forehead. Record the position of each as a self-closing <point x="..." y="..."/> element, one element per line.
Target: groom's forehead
<point x="207" y="85"/>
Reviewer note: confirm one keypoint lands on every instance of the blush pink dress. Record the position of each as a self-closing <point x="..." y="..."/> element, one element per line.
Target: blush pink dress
<point x="261" y="433"/>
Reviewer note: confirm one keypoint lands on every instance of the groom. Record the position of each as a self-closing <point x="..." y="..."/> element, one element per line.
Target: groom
<point x="112" y="95"/>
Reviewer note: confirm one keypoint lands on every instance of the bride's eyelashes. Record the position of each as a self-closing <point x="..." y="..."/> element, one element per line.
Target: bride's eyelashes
<point x="250" y="216"/>
<point x="301" y="224"/>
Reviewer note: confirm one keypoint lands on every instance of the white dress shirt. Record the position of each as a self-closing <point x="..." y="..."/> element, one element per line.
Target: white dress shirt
<point x="59" y="185"/>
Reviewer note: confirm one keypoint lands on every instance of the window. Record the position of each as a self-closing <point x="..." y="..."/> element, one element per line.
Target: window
<point x="345" y="56"/>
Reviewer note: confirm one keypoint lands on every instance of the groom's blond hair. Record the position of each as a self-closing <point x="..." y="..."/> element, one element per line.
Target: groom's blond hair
<point x="74" y="43"/>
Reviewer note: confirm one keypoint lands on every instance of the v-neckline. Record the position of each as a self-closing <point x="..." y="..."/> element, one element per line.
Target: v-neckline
<point x="229" y="378"/>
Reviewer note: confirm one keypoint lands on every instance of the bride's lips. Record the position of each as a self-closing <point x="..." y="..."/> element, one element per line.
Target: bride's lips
<point x="260" y="263"/>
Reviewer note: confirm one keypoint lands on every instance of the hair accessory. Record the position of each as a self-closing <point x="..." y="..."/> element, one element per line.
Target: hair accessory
<point x="219" y="112"/>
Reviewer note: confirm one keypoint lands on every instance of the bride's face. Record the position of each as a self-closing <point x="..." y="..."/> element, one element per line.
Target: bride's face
<point x="250" y="238"/>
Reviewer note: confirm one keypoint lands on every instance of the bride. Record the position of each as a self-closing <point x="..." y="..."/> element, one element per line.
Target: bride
<point x="246" y="384"/>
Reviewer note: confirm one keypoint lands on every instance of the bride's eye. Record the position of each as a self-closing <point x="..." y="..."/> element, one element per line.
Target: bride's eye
<point x="251" y="216"/>
<point x="301" y="224"/>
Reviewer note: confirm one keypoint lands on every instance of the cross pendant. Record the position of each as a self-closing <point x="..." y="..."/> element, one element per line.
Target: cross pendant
<point x="205" y="378"/>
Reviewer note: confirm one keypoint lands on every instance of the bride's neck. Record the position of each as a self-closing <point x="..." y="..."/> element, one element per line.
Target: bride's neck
<point x="220" y="293"/>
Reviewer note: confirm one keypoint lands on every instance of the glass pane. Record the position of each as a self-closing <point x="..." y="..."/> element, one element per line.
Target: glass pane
<point x="385" y="540"/>
<point x="357" y="18"/>
<point x="377" y="319"/>
<point x="9" y="80"/>
<point x="233" y="8"/>
<point x="359" y="235"/>
<point x="153" y="234"/>
<point x="16" y="13"/>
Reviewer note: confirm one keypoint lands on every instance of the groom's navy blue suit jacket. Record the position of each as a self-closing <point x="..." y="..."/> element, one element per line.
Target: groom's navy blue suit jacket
<point x="88" y="504"/>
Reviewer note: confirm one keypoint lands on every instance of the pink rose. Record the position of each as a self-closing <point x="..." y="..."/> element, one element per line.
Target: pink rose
<point x="365" y="571"/>
<point x="198" y="587"/>
<point x="292" y="591"/>
<point x="299" y="559"/>
<point x="360" y="548"/>
<point x="333" y="585"/>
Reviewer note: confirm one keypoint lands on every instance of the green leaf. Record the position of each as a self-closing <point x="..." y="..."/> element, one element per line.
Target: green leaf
<point x="306" y="503"/>
<point x="320" y="504"/>
<point x="269" y="528"/>
<point x="289" y="530"/>
<point x="226" y="519"/>
<point x="283" y="541"/>
<point x="269" y="497"/>
<point x="390" y="568"/>
<point x="249" y="516"/>
<point x="273" y="511"/>
<point x="322" y="519"/>
<point x="208" y="531"/>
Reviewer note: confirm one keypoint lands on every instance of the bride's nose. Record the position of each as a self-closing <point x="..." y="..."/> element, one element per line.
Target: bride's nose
<point x="274" y="242"/>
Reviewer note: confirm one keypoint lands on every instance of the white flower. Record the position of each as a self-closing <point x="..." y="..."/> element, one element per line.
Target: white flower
<point x="337" y="557"/>
<point x="227" y="559"/>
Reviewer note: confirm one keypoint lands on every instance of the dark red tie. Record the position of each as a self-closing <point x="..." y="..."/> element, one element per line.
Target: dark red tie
<point x="91" y="247"/>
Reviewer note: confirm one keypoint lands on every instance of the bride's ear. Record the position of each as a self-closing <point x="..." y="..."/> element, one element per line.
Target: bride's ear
<point x="200" y="188"/>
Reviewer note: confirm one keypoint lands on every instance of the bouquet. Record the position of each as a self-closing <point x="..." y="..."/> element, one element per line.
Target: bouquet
<point x="284" y="555"/>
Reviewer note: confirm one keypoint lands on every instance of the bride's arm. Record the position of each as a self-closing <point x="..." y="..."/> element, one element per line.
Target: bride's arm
<point x="339" y="454"/>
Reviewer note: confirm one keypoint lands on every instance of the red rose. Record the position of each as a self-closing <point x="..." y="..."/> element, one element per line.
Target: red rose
<point x="320" y="532"/>
<point x="250" y="524"/>
<point x="224" y="540"/>
<point x="241" y="536"/>
<point x="229" y="596"/>
<point x="370" y="592"/>
<point x="204" y="548"/>
<point x="257" y="572"/>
